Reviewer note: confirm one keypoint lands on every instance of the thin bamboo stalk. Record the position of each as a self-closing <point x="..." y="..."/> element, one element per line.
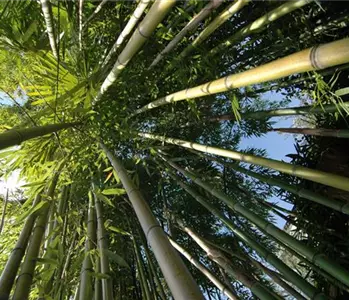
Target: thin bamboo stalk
<point x="338" y="133"/>
<point x="17" y="136"/>
<point x="155" y="15"/>
<point x="193" y="23"/>
<point x="328" y="179"/>
<point x="96" y="11"/>
<point x="310" y="59"/>
<point x="261" y="23"/>
<point x="47" y="12"/>
<point x="137" y="14"/>
<point x="10" y="270"/>
<point x="4" y="212"/>
<point x="205" y="271"/>
<point x="288" y="273"/>
<point x="26" y="275"/>
<point x="218" y="257"/>
<point x="214" y="25"/>
<point x="178" y="278"/>
<point x="107" y="286"/>
<point x="311" y="254"/>
<point x="81" y="6"/>
<point x="292" y="111"/>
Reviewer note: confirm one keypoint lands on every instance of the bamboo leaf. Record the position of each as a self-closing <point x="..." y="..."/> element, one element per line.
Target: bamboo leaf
<point x="116" y="258"/>
<point x="114" y="192"/>
<point x="119" y="230"/>
<point x="104" y="199"/>
<point x="32" y="210"/>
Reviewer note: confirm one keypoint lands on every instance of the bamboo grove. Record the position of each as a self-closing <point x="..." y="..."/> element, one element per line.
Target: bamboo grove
<point x="126" y="121"/>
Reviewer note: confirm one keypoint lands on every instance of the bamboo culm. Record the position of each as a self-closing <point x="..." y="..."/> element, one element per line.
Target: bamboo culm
<point x="314" y="58"/>
<point x="47" y="12"/>
<point x="287" y="272"/>
<point x="177" y="276"/>
<point x="2" y="222"/>
<point x="338" y="133"/>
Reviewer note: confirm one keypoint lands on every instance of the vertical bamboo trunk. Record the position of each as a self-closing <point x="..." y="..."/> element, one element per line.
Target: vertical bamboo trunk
<point x="47" y="12"/>
<point x="261" y="23"/>
<point x="218" y="257"/>
<point x="178" y="278"/>
<point x="314" y="58"/>
<point x="155" y="15"/>
<point x="288" y="273"/>
<point x="10" y="270"/>
<point x="193" y="23"/>
<point x="26" y="275"/>
<point x="98" y="283"/>
<point x="107" y="286"/>
<point x="311" y="254"/>
<point x="137" y="14"/>
<point x="4" y="212"/>
<point x="338" y="133"/>
<point x="224" y="290"/>
<point x="81" y="6"/>
<point x="17" y="136"/>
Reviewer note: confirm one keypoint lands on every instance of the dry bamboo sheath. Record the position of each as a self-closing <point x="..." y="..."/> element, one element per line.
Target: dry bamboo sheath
<point x="315" y="58"/>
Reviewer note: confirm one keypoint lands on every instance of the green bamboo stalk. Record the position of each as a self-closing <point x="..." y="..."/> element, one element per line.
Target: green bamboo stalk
<point x="47" y="12"/>
<point x="177" y="276"/>
<point x="214" y="25"/>
<point x="193" y="23"/>
<point x="314" y="58"/>
<point x="328" y="179"/>
<point x="338" y="133"/>
<point x="17" y="136"/>
<point x="2" y="222"/>
<point x="96" y="11"/>
<point x="218" y="257"/>
<point x="10" y="270"/>
<point x="137" y="14"/>
<point x="311" y="254"/>
<point x="98" y="283"/>
<point x="269" y="257"/>
<point x="205" y="271"/>
<point x="107" y="287"/>
<point x="155" y="15"/>
<point x="26" y="275"/>
<point x="292" y="111"/>
<point x="261" y="23"/>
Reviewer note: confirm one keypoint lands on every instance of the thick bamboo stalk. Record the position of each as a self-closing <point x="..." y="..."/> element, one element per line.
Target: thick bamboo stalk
<point x="315" y="58"/>
<point x="311" y="254"/>
<point x="155" y="15"/>
<point x="338" y="133"/>
<point x="3" y="215"/>
<point x="17" y="136"/>
<point x="193" y="23"/>
<point x="81" y="6"/>
<point x="261" y="23"/>
<point x="98" y="283"/>
<point x="214" y="25"/>
<point x="26" y="275"/>
<point x="178" y="278"/>
<point x="205" y="271"/>
<point x="292" y="111"/>
<point x="328" y="179"/>
<point x="218" y="257"/>
<point x="10" y="270"/>
<point x="107" y="286"/>
<point x="288" y="273"/>
<point x="47" y="12"/>
<point x="137" y="14"/>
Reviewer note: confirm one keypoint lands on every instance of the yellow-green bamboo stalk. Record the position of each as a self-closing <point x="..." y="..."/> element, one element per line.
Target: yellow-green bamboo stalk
<point x="137" y="14"/>
<point x="261" y="23"/>
<point x="10" y="270"/>
<point x="310" y="254"/>
<point x="17" y="136"/>
<point x="193" y="23"/>
<point x="328" y="179"/>
<point x="155" y="15"/>
<point x="214" y="25"/>
<point x="177" y="276"/>
<point x="205" y="271"/>
<point x="47" y="12"/>
<point x="218" y="257"/>
<point x="314" y="58"/>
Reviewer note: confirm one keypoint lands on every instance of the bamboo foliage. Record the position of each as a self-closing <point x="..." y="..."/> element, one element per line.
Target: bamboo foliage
<point x="155" y="15"/>
<point x="178" y="278"/>
<point x="132" y="22"/>
<point x="205" y="271"/>
<point x="315" y="58"/>
<point x="47" y="12"/>
<point x="193" y="23"/>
